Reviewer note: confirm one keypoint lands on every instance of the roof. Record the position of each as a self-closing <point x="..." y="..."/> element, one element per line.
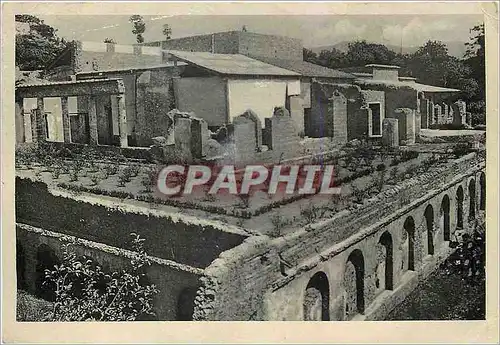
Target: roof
<point x="121" y="69"/>
<point x="415" y="86"/>
<point x="305" y="68"/>
<point x="230" y="64"/>
<point x="65" y="82"/>
<point x="374" y="65"/>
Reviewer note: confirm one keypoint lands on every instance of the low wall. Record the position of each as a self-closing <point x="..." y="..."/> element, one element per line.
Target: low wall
<point x="173" y="237"/>
<point x="265" y="279"/>
<point x="174" y="281"/>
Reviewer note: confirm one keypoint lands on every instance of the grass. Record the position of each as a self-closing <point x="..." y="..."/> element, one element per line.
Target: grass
<point x="443" y="296"/>
<point x="30" y="308"/>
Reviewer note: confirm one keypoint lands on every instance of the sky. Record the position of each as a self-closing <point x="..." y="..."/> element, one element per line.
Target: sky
<point x="314" y="30"/>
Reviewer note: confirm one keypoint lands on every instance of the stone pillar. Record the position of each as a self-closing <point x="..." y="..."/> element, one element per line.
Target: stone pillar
<point x="406" y="122"/>
<point x="122" y="121"/>
<point x="418" y="121"/>
<point x="390" y="132"/>
<point x="65" y="120"/>
<point x="19" y="121"/>
<point x="445" y="113"/>
<point x="93" y="136"/>
<point x="33" y="120"/>
<point x="182" y="135"/>
<point x="297" y="112"/>
<point x="438" y="114"/>
<point x="199" y="138"/>
<point x="424" y="113"/>
<point x="41" y="121"/>
<point x="338" y="111"/>
<point x="459" y="113"/>
<point x="432" y="118"/>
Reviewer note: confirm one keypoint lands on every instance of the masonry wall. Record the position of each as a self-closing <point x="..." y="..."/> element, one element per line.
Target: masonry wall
<point x="93" y="56"/>
<point x="165" y="236"/>
<point x="171" y="279"/>
<point x="255" y="265"/>
<point x="205" y="96"/>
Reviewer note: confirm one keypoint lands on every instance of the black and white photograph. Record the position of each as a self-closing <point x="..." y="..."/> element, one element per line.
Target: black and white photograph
<point x="258" y="167"/>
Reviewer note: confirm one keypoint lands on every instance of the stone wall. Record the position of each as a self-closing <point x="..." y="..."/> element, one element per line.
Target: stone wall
<point x="281" y="269"/>
<point x="171" y="279"/>
<point x="168" y="236"/>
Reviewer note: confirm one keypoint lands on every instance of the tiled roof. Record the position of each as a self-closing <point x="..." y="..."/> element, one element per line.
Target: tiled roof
<point x="306" y="69"/>
<point x="230" y="64"/>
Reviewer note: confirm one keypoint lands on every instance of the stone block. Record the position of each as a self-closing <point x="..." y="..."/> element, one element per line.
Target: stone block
<point x="406" y="124"/>
<point x="183" y="137"/>
<point x="390" y="132"/>
<point x="338" y="111"/>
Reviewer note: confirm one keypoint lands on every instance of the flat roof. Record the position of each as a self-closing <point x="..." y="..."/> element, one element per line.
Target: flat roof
<point x="122" y="69"/>
<point x="415" y="86"/>
<point x="305" y="68"/>
<point x="230" y="64"/>
<point x="383" y="66"/>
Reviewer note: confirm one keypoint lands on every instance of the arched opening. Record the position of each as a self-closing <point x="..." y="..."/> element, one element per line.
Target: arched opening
<point x="445" y="217"/>
<point x="429" y="221"/>
<point x="482" y="191"/>
<point x="185" y="304"/>
<point x="46" y="259"/>
<point x="460" y="207"/>
<point x="317" y="298"/>
<point x="472" y="199"/>
<point x="354" y="284"/>
<point x="409" y="227"/>
<point x="386" y="242"/>
<point x="20" y="267"/>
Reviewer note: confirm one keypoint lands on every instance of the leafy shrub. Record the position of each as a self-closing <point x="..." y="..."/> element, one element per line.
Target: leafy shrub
<point x="380" y="167"/>
<point x="124" y="176"/>
<point x="312" y="212"/>
<point x="85" y="292"/>
<point x="95" y="179"/>
<point x="461" y="149"/>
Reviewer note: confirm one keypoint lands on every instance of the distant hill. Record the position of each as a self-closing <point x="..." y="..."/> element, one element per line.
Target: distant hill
<point x="455" y="48"/>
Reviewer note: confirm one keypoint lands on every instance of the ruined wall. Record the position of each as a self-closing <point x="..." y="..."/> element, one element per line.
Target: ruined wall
<point x="93" y="56"/>
<point x="238" y="42"/>
<point x="166" y="237"/>
<point x="258" y="264"/>
<point x="171" y="279"/>
<point x="206" y="97"/>
<point x="259" y="95"/>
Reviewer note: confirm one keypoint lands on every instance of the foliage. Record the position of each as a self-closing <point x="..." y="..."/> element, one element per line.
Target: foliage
<point x="38" y="46"/>
<point x="85" y="292"/>
<point x="139" y="27"/>
<point x="109" y="40"/>
<point x="167" y="31"/>
<point x="30" y="308"/>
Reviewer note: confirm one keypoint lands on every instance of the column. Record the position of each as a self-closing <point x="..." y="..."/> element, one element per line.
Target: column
<point x="92" y="121"/>
<point x="19" y="121"/>
<point x="41" y="121"/>
<point x="122" y="121"/>
<point x="65" y="120"/>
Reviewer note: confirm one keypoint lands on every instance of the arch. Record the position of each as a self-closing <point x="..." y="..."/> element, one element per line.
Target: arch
<point x="354" y="284"/>
<point x="429" y="221"/>
<point x="317" y="298"/>
<point x="445" y="217"/>
<point x="409" y="227"/>
<point x="482" y="191"/>
<point x="46" y="258"/>
<point x="386" y="241"/>
<point x="185" y="304"/>
<point x="460" y="207"/>
<point x="20" y="266"/>
<point x="472" y="199"/>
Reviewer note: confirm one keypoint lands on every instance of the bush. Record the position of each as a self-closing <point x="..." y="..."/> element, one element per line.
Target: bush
<point x="380" y="167"/>
<point x="461" y="149"/>
<point x="84" y="292"/>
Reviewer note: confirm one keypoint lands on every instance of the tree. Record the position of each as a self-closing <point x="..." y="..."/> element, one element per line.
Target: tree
<point x="109" y="40"/>
<point x="360" y="53"/>
<point x="475" y="59"/>
<point x="167" y="31"/>
<point x="244" y="28"/>
<point x="38" y="46"/>
<point x="309" y="56"/>
<point x="85" y="292"/>
<point x="139" y="27"/>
